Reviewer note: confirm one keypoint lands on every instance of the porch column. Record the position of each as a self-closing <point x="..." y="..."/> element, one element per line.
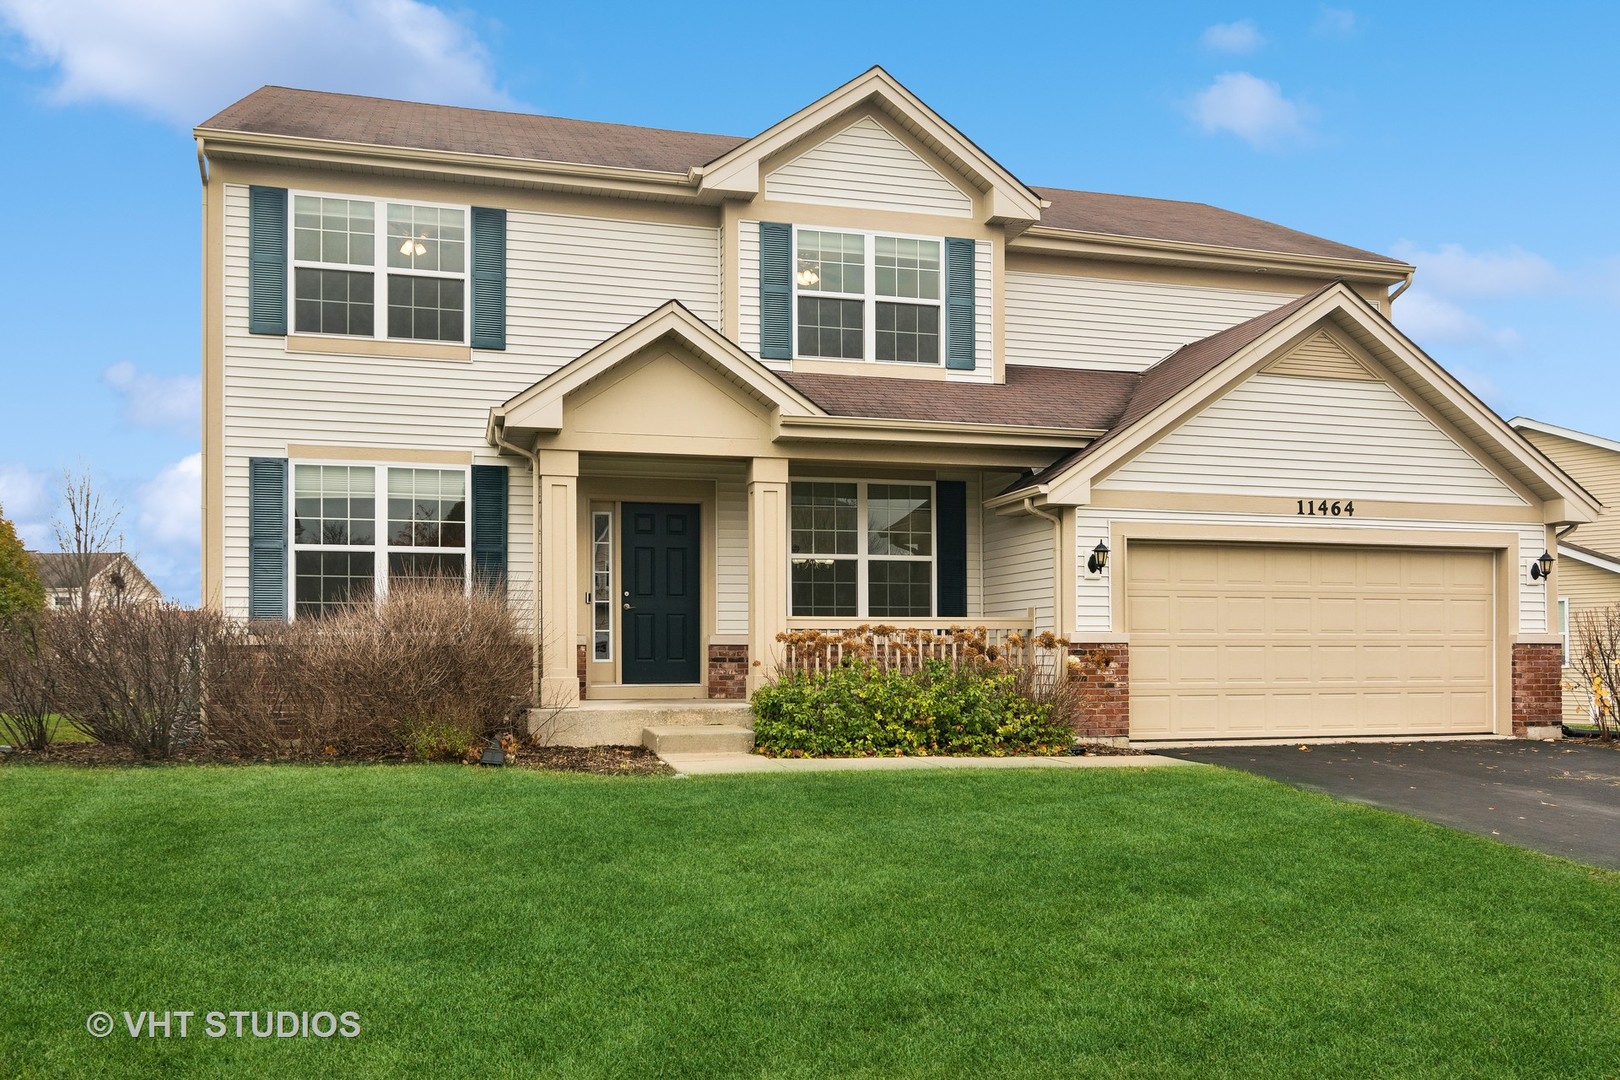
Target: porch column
<point x="556" y="482"/>
<point x="767" y="566"/>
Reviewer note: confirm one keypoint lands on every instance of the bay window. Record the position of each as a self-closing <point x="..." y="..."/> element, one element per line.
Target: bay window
<point x="349" y="255"/>
<point x="348" y="544"/>
<point x="862" y="549"/>
<point x="867" y="296"/>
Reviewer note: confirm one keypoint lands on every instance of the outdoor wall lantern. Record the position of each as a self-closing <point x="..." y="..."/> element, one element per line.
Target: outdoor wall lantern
<point x="1542" y="567"/>
<point x="1099" y="558"/>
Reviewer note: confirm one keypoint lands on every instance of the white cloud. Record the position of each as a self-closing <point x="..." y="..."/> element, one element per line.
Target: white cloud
<point x="1452" y="270"/>
<point x="25" y="498"/>
<point x="1336" y="22"/>
<point x="171" y="505"/>
<point x="1233" y="37"/>
<point x="183" y="60"/>
<point x="156" y="400"/>
<point x="1251" y="108"/>
<point x="1428" y="319"/>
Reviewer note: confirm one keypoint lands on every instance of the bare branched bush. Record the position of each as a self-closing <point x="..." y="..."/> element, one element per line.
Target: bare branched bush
<point x="28" y="698"/>
<point x="1595" y="644"/>
<point x="432" y="670"/>
<point x="134" y="675"/>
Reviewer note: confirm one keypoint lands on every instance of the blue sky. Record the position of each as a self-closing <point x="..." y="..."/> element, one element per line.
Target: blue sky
<point x="1478" y="142"/>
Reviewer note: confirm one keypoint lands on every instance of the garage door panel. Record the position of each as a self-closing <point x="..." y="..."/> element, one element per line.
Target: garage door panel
<point x="1248" y="640"/>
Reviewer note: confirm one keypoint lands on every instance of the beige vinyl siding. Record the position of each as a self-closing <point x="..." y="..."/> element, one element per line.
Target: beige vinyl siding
<point x="1018" y="567"/>
<point x="748" y="293"/>
<point x="1057" y="320"/>
<point x="1321" y="357"/>
<point x="730" y="526"/>
<point x="1328" y="438"/>
<point x="866" y="166"/>
<point x="1598" y="471"/>
<point x="1093" y="592"/>
<point x="571" y="282"/>
<point x="1590" y="589"/>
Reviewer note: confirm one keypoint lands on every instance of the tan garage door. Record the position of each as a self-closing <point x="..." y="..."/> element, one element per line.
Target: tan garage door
<point x="1236" y="641"/>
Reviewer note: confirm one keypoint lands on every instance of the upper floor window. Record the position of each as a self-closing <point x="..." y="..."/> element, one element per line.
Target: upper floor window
<point x="867" y="296"/>
<point x="351" y="255"/>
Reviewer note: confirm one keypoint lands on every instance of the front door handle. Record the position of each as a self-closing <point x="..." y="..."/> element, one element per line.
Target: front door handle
<point x="628" y="607"/>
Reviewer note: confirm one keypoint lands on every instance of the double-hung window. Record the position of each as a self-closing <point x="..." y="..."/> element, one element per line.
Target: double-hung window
<point x="377" y="269"/>
<point x="356" y="528"/>
<point x="867" y="296"/>
<point x="862" y="549"/>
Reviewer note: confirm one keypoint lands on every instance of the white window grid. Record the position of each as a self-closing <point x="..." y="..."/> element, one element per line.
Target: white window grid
<point x="378" y="268"/>
<point x="870" y="298"/>
<point x="1563" y="627"/>
<point x="379" y="547"/>
<point x="862" y="557"/>
<point x="601" y="585"/>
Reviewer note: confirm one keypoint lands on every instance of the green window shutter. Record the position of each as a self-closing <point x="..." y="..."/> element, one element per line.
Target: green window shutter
<point x="950" y="561"/>
<point x="960" y="347"/>
<point x="267" y="260"/>
<point x="267" y="538"/>
<point x="489" y="525"/>
<point x="488" y="278"/>
<point x="775" y="291"/>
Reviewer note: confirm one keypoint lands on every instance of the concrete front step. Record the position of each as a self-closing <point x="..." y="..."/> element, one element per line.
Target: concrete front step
<point x="621" y="723"/>
<point x="698" y="739"/>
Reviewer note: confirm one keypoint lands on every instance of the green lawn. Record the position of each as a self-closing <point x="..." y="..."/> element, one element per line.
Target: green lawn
<point x="1172" y="922"/>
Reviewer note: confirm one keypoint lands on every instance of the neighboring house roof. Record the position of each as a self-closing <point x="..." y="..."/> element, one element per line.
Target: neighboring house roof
<point x="347" y="118"/>
<point x="1080" y="400"/>
<point x="1588" y="556"/>
<point x="61" y="570"/>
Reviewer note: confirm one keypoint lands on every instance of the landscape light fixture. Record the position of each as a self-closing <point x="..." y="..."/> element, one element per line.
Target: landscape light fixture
<point x="1099" y="558"/>
<point x="493" y="754"/>
<point x="1542" y="567"/>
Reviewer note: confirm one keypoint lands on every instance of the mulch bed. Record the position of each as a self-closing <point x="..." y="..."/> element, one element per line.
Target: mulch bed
<point x="602" y="760"/>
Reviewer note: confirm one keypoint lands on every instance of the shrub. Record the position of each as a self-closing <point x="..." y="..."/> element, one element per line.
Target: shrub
<point x="430" y="671"/>
<point x="861" y="708"/>
<point x="28" y="699"/>
<point x="134" y="675"/>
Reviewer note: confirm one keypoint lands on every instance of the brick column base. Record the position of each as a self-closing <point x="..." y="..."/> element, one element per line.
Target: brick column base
<point x="1104" y="670"/>
<point x="728" y="671"/>
<point x="582" y="673"/>
<point x="1538" y="694"/>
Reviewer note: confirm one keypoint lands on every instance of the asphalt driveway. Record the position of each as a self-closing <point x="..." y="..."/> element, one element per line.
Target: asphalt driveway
<point x="1557" y="797"/>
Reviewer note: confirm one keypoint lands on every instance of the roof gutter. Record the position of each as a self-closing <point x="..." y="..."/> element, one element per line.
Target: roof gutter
<point x="1404" y="285"/>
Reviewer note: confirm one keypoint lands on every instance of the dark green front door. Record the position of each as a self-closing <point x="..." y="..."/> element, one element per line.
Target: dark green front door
<point x="661" y="600"/>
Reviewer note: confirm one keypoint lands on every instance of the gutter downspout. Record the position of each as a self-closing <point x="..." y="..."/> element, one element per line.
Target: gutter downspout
<point x="202" y="161"/>
<point x="1407" y="284"/>
<point x="498" y="432"/>
<point x="1057" y="561"/>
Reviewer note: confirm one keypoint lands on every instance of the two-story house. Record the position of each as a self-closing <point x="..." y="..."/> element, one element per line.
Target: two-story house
<point x="1589" y="557"/>
<point x="684" y="392"/>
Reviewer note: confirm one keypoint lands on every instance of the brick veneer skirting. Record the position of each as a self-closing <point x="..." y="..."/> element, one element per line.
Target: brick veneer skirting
<point x="582" y="673"/>
<point x="728" y="671"/>
<point x="1105" y="670"/>
<point x="1538" y="695"/>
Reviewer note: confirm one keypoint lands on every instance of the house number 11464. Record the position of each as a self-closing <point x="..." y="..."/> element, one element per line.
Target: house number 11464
<point x="1323" y="508"/>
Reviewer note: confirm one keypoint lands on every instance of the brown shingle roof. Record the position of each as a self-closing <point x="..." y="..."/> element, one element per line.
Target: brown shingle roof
<point x="60" y="570"/>
<point x="1031" y="397"/>
<point x="1185" y="222"/>
<point x="311" y="114"/>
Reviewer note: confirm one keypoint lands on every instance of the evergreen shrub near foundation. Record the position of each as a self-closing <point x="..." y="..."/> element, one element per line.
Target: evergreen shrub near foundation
<point x="859" y="709"/>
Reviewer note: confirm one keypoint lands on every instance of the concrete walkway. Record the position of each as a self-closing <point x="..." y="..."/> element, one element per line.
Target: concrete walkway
<point x="712" y="764"/>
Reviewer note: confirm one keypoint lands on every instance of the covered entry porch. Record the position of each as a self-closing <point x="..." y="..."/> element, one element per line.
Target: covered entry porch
<point x="690" y="505"/>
